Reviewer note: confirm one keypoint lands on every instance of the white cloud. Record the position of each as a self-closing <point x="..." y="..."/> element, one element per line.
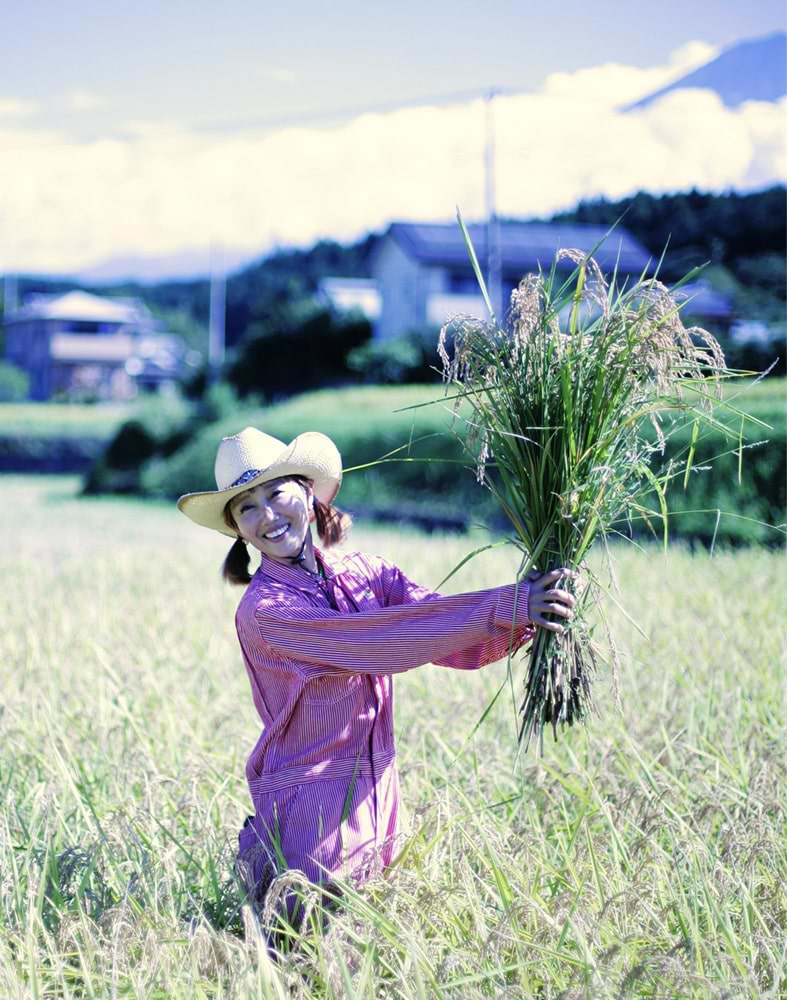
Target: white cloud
<point x="276" y="74"/>
<point x="617" y="84"/>
<point x="692" y="54"/>
<point x="151" y="128"/>
<point x="81" y="99"/>
<point x="12" y="107"/>
<point x="158" y="189"/>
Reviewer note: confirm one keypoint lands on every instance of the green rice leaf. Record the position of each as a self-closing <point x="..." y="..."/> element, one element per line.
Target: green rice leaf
<point x="474" y="262"/>
<point x="694" y="434"/>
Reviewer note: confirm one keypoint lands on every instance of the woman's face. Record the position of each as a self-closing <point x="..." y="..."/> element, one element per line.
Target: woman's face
<point x="274" y="517"/>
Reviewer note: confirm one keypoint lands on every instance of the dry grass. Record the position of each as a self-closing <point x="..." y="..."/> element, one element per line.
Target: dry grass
<point x="643" y="858"/>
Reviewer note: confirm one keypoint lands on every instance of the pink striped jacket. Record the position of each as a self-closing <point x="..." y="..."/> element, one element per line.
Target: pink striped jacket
<point x="320" y="655"/>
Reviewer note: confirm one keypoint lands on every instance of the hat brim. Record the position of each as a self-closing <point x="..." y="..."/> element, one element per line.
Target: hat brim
<point x="312" y="455"/>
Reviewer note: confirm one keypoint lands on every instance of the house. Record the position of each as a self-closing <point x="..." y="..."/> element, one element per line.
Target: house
<point x="350" y="295"/>
<point x="78" y="344"/>
<point x="424" y="275"/>
<point x="702" y="303"/>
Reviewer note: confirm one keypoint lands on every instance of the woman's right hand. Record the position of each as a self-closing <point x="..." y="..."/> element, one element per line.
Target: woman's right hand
<point x="545" y="598"/>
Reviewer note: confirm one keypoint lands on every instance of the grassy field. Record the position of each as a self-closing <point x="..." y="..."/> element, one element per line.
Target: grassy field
<point x="63" y="419"/>
<point x="101" y="420"/>
<point x="641" y="858"/>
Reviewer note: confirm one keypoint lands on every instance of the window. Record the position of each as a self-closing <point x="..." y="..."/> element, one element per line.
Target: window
<point x="462" y="283"/>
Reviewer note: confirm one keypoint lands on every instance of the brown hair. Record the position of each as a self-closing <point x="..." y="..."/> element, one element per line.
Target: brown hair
<point x="332" y="527"/>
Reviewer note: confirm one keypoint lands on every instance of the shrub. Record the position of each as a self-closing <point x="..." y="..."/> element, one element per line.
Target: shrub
<point x="21" y="452"/>
<point x="336" y="413"/>
<point x="296" y="353"/>
<point x="14" y="383"/>
<point x="161" y="425"/>
<point x="132" y="445"/>
<point x="757" y="355"/>
<point x="760" y="496"/>
<point x="408" y="359"/>
<point x="447" y="487"/>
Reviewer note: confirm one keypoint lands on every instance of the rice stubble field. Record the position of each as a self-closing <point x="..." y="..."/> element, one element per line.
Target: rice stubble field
<point x="641" y="857"/>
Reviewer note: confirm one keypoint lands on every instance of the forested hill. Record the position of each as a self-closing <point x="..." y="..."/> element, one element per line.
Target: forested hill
<point x="741" y="237"/>
<point x="271" y="286"/>
<point x="274" y="286"/>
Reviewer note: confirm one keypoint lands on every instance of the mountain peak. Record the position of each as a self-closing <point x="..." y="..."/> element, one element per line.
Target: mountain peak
<point x="751" y="70"/>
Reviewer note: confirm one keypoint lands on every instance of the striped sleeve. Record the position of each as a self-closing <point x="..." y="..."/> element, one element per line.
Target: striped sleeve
<point x="399" y="589"/>
<point x="463" y="631"/>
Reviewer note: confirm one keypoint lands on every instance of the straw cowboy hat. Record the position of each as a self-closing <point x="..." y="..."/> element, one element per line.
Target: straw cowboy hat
<point x="252" y="457"/>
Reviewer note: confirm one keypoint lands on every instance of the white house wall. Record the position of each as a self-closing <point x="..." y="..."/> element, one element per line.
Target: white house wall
<point x="405" y="288"/>
<point x="443" y="306"/>
<point x="397" y="279"/>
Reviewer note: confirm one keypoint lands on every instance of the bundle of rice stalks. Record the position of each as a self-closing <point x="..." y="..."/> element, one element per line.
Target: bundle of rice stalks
<point x="558" y="398"/>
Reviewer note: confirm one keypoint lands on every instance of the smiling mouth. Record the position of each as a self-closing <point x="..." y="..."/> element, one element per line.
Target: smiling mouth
<point x="274" y="536"/>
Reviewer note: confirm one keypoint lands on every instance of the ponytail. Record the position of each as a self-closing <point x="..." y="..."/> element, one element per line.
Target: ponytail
<point x="333" y="526"/>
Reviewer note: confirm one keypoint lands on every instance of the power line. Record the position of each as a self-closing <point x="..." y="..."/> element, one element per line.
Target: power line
<point x="315" y="116"/>
<point x="276" y="119"/>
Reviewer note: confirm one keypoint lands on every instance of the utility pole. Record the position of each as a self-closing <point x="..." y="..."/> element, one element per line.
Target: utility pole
<point x="493" y="263"/>
<point x="216" y="321"/>
<point x="10" y="295"/>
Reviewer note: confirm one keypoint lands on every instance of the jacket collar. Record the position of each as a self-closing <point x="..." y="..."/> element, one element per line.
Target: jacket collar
<point x="294" y="576"/>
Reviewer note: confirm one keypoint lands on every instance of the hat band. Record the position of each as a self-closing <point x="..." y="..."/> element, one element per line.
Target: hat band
<point x="247" y="475"/>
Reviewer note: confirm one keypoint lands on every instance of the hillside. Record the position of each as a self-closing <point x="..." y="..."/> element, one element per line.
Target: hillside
<point x="741" y="237"/>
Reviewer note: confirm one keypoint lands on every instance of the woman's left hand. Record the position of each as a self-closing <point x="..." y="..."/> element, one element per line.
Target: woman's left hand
<point x="545" y="598"/>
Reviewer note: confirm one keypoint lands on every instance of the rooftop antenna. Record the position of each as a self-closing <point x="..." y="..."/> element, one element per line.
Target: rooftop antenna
<point x="492" y="223"/>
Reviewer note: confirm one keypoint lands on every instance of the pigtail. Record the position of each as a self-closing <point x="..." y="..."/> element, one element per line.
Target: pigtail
<point x="333" y="524"/>
<point x="236" y="566"/>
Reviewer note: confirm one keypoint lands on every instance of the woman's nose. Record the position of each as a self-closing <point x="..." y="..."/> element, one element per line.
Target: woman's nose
<point x="265" y="513"/>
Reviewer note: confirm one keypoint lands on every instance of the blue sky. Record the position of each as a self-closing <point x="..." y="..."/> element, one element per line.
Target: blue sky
<point x="89" y="66"/>
<point x="157" y="128"/>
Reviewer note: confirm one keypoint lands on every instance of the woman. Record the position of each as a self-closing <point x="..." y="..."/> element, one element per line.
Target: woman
<point x="321" y="636"/>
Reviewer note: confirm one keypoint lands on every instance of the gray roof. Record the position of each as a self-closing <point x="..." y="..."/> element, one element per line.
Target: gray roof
<point x="523" y="245"/>
<point x="81" y="306"/>
<point x="702" y="299"/>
